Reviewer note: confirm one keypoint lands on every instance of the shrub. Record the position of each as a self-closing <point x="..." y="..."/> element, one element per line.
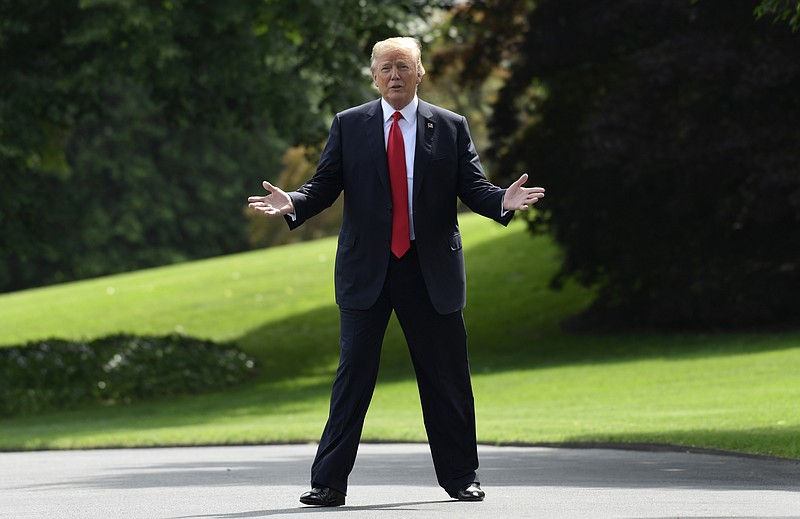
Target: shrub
<point x="57" y="374"/>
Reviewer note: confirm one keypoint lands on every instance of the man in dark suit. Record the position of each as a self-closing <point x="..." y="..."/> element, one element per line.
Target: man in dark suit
<point x="402" y="164"/>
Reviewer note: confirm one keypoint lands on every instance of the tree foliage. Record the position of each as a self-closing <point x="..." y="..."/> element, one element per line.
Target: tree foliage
<point x="132" y="132"/>
<point x="781" y="10"/>
<point x="667" y="137"/>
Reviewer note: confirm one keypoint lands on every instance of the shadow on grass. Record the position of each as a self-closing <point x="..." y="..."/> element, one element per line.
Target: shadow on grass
<point x="782" y="441"/>
<point x="303" y="345"/>
<point x="513" y="320"/>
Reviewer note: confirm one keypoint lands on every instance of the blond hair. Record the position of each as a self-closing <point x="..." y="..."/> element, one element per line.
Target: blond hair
<point x="397" y="43"/>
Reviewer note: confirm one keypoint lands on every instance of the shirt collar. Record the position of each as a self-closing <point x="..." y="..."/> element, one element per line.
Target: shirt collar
<point x="409" y="111"/>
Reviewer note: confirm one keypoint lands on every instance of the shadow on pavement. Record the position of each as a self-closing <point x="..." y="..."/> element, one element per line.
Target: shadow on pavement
<point x="409" y="464"/>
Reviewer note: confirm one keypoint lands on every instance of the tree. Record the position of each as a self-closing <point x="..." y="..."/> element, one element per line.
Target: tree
<point x="781" y="10"/>
<point x="666" y="136"/>
<point x="132" y="132"/>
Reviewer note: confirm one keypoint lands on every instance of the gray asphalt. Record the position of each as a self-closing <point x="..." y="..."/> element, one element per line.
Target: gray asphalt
<point x="393" y="480"/>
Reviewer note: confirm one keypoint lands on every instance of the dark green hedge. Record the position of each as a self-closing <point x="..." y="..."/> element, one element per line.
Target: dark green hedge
<point x="57" y="374"/>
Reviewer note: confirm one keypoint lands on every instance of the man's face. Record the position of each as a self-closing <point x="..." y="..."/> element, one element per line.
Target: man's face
<point x="396" y="76"/>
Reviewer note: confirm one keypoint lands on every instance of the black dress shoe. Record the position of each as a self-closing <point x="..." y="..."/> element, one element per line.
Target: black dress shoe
<point x="323" y="496"/>
<point x="471" y="492"/>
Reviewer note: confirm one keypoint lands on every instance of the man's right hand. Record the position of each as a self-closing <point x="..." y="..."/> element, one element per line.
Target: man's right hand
<point x="276" y="203"/>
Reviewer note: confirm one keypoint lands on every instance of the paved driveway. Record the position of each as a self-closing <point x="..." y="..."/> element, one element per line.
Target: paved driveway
<point x="393" y="481"/>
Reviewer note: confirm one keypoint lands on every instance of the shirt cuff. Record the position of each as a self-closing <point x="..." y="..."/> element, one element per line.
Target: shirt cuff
<point x="503" y="212"/>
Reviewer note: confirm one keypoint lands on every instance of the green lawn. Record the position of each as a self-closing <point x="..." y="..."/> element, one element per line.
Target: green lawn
<point x="533" y="382"/>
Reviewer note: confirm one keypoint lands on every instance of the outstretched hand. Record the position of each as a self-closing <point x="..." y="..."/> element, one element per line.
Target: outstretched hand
<point x="518" y="198"/>
<point x="276" y="203"/>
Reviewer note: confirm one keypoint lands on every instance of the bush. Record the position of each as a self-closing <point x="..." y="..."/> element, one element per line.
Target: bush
<point x="56" y="374"/>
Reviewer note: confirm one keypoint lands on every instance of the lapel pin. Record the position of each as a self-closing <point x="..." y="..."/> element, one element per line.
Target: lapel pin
<point x="430" y="126"/>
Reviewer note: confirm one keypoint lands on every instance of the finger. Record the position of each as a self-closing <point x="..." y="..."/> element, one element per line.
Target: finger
<point x="270" y="187"/>
<point x="521" y="180"/>
<point x="256" y="199"/>
<point x="273" y="211"/>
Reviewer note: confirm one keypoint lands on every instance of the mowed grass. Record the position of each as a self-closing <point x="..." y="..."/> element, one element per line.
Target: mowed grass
<point x="533" y="382"/>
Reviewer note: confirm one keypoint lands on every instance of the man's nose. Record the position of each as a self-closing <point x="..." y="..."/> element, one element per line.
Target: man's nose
<point x="395" y="73"/>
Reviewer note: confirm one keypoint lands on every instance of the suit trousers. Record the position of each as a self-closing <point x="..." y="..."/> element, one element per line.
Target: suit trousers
<point x="438" y="347"/>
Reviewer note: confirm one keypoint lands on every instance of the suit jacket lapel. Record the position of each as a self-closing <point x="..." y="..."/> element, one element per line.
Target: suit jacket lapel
<point x="422" y="154"/>
<point x="373" y="127"/>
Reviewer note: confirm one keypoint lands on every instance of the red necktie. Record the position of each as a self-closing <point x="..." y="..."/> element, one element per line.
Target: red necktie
<point x="396" y="152"/>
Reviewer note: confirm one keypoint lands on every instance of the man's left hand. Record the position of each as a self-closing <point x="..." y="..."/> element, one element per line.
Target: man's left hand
<point x="518" y="198"/>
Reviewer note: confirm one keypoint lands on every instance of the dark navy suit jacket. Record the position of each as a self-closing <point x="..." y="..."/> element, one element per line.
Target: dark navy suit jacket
<point x="446" y="168"/>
